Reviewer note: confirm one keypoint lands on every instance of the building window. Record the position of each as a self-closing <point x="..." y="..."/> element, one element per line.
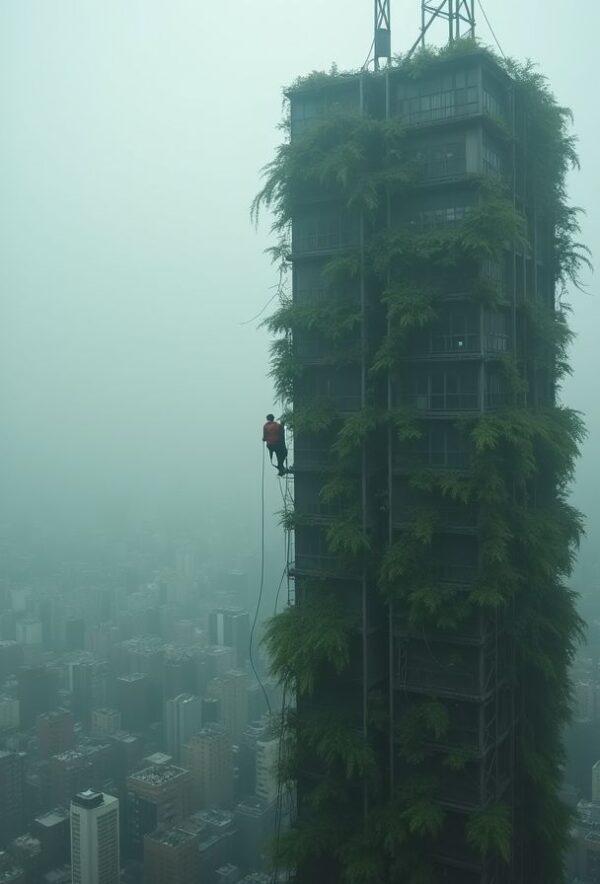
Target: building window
<point x="338" y="388"/>
<point x="441" y="98"/>
<point x="445" y="447"/>
<point x="446" y="389"/>
<point x="492" y="159"/>
<point x="497" y="339"/>
<point x="457" y="331"/>
<point x="496" y="391"/>
<point x="310" y="108"/>
<point x="325" y="231"/>
<point x="441" y="160"/>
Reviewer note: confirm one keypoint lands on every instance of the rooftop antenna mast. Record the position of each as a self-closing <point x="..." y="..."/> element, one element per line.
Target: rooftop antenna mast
<point x="382" y="41"/>
<point x="460" y="15"/>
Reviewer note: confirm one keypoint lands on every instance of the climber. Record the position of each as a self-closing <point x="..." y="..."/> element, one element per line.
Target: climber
<point x="274" y="436"/>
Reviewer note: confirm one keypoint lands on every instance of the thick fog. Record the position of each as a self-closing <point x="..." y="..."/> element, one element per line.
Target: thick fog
<point x="132" y="137"/>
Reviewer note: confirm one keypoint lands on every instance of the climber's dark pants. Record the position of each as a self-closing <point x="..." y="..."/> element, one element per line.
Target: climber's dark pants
<point x="281" y="452"/>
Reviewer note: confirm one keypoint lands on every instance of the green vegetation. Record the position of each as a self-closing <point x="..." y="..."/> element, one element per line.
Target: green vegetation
<point x="518" y="465"/>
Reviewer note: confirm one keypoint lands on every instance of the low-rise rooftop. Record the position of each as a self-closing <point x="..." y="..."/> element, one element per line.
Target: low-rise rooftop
<point x="158" y="774"/>
<point x="53" y="817"/>
<point x="174" y="837"/>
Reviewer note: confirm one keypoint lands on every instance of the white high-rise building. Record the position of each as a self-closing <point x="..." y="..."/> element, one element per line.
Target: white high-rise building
<point x="267" y="773"/>
<point x="183" y="718"/>
<point x="95" y="838"/>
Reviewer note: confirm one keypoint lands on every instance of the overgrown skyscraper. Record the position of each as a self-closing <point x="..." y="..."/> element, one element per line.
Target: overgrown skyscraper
<point x="421" y="353"/>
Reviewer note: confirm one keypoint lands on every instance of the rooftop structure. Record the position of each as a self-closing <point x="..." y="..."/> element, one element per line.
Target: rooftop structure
<point x="158" y="774"/>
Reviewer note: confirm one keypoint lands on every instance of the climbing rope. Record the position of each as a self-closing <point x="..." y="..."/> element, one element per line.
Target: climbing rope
<point x="262" y="585"/>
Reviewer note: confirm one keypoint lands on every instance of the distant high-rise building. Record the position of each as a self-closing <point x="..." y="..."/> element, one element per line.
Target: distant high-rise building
<point x="247" y="757"/>
<point x="171" y="856"/>
<point x="218" y="659"/>
<point x="255" y="821"/>
<point x="218" y="840"/>
<point x="231" y="690"/>
<point x="133" y="701"/>
<point x="52" y="829"/>
<point x="54" y="732"/>
<point x="267" y="769"/>
<point x="128" y="749"/>
<point x="180" y="674"/>
<point x="95" y="855"/>
<point x="159" y="795"/>
<point x="183" y="718"/>
<point x="11" y="795"/>
<point x="105" y="722"/>
<point x="208" y="756"/>
<point x="230" y="627"/>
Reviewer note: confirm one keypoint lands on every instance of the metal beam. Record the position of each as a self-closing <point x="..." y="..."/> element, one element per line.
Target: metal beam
<point x="382" y="40"/>
<point x="460" y="15"/>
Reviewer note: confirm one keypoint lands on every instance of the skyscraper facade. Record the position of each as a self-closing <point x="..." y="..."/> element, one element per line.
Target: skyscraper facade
<point x="421" y="350"/>
<point x="158" y="795"/>
<point x="208" y="757"/>
<point x="95" y="856"/>
<point x="183" y="718"/>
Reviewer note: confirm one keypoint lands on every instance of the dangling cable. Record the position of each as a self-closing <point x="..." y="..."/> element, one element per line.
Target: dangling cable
<point x="262" y="582"/>
<point x="489" y="24"/>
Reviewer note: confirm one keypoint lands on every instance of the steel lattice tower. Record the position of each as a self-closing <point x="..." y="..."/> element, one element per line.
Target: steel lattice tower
<point x="460" y="15"/>
<point x="382" y="43"/>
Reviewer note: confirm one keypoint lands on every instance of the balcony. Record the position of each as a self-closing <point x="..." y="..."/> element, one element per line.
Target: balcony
<point x="450" y="96"/>
<point x="324" y="231"/>
<point x="463" y="332"/>
<point x="447" y="390"/>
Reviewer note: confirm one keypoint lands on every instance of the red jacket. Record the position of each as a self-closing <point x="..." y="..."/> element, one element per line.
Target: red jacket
<point x="273" y="433"/>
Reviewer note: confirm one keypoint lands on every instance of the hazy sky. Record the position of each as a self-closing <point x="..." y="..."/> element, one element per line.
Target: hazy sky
<point x="132" y="135"/>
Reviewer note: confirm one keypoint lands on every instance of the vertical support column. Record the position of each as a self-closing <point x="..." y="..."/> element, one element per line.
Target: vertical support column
<point x="363" y="402"/>
<point x="390" y="493"/>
